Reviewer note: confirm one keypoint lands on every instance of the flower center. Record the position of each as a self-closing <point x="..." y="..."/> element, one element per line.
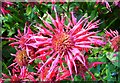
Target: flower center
<point x="62" y="42"/>
<point x="21" y="58"/>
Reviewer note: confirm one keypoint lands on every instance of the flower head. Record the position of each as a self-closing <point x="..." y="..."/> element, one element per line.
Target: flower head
<point x="4" y="6"/>
<point x="22" y="41"/>
<point x="21" y="58"/>
<point x="114" y="39"/>
<point x="22" y="38"/>
<point x="68" y="42"/>
<point x="56" y="75"/>
<point x="116" y="3"/>
<point x="22" y="75"/>
<point x="82" y="69"/>
<point x="104" y="2"/>
<point x="58" y="48"/>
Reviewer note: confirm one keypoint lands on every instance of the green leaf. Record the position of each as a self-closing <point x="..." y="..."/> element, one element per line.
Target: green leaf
<point x="17" y="19"/>
<point x="114" y="59"/>
<point x="11" y="33"/>
<point x="4" y="43"/>
<point x="7" y="26"/>
<point x="8" y="18"/>
<point x="31" y="68"/>
<point x="37" y="60"/>
<point x="1" y="18"/>
<point x="3" y="30"/>
<point x="4" y="67"/>
<point x="111" y="23"/>
<point x="77" y="78"/>
<point x="7" y="80"/>
<point x="94" y="13"/>
<point x="28" y="10"/>
<point x="108" y="73"/>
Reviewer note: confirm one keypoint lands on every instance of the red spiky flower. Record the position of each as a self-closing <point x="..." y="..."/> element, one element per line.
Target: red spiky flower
<point x="4" y="7"/>
<point x="65" y="42"/>
<point x="104" y="2"/>
<point x="114" y="38"/>
<point x="20" y="76"/>
<point x="23" y="39"/>
<point x="82" y="69"/>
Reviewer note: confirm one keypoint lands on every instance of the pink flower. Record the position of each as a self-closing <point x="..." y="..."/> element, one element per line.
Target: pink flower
<point x="104" y="2"/>
<point x="4" y="6"/>
<point x="68" y="42"/>
<point x="22" y="38"/>
<point x="57" y="47"/>
<point x="114" y="38"/>
<point x="22" y="75"/>
<point x="22" y="41"/>
<point x="56" y="74"/>
<point x="1" y="80"/>
<point x="82" y="69"/>
<point x="116" y="3"/>
<point x="4" y="11"/>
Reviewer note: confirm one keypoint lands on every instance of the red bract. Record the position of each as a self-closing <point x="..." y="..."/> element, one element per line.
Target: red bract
<point x="22" y="40"/>
<point x="114" y="38"/>
<point x="83" y="69"/>
<point x="104" y="2"/>
<point x="67" y="42"/>
<point x="22" y="75"/>
<point x="56" y="75"/>
<point x="4" y="11"/>
<point x="4" y="6"/>
<point x="116" y="3"/>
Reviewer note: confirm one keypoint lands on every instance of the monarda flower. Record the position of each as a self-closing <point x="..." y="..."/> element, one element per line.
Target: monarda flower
<point x="23" y="39"/>
<point x="58" y="73"/>
<point x="114" y="38"/>
<point x="104" y="2"/>
<point x="4" y="6"/>
<point x="65" y="42"/>
<point x="43" y="74"/>
<point x="116" y="3"/>
<point x="21" y="76"/>
<point x="82" y="69"/>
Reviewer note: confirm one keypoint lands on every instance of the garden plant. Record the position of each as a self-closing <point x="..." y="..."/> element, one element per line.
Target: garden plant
<point x="60" y="40"/>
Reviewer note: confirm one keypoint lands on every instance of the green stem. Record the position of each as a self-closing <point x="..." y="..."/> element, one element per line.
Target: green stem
<point x="111" y="23"/>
